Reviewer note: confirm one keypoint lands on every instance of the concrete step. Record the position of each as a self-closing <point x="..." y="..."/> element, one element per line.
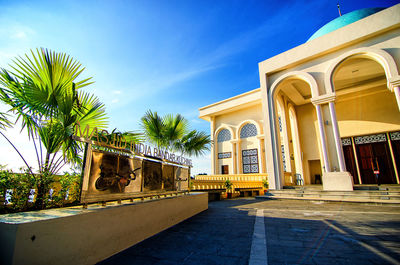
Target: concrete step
<point x="351" y="200"/>
<point x="338" y="196"/>
<point x="372" y="194"/>
<point x="357" y="192"/>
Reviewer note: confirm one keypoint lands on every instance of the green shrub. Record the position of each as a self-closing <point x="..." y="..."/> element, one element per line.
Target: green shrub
<point x="21" y="185"/>
<point x="68" y="184"/>
<point x="228" y="184"/>
<point x="265" y="183"/>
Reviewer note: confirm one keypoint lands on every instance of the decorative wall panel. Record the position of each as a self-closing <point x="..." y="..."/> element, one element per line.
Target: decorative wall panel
<point x="370" y="139"/>
<point x="224" y="155"/>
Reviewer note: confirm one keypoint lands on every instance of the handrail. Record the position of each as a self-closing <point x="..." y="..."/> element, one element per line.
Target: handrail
<point x="239" y="181"/>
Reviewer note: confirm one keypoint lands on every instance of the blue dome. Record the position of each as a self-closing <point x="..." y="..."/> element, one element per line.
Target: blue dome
<point x="345" y="20"/>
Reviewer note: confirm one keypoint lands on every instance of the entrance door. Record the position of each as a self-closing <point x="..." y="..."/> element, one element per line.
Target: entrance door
<point x="376" y="152"/>
<point x="225" y="169"/>
<point x="349" y="159"/>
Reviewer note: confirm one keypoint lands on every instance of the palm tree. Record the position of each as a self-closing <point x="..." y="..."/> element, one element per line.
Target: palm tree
<point x="171" y="132"/>
<point x="153" y="128"/>
<point x="194" y="143"/>
<point x="43" y="92"/>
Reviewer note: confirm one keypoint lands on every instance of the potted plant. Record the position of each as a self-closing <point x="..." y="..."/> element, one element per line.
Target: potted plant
<point x="228" y="186"/>
<point x="266" y="185"/>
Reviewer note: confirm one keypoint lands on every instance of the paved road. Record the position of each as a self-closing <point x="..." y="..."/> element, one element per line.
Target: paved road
<point x="275" y="232"/>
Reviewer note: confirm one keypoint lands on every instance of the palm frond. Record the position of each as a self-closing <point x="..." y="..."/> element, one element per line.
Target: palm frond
<point x="153" y="128"/>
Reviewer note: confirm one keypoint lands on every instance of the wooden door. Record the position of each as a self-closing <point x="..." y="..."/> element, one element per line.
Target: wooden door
<point x="225" y="169"/>
<point x="350" y="162"/>
<point x="367" y="153"/>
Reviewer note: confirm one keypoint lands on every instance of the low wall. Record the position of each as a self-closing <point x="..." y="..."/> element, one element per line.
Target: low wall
<point x="86" y="236"/>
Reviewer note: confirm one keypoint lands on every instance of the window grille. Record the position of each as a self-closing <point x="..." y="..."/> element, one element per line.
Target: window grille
<point x="248" y="130"/>
<point x="250" y="161"/>
<point x="346" y="141"/>
<point x="224" y="135"/>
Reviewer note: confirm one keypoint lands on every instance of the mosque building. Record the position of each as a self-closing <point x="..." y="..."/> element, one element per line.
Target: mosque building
<point x="327" y="111"/>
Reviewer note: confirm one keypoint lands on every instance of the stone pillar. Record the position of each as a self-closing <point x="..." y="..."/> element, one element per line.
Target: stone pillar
<point x="338" y="141"/>
<point x="394" y="86"/>
<point x="234" y="160"/>
<point x="322" y="138"/>
<point x="260" y="154"/>
<point x="238" y="158"/>
<point x="397" y="93"/>
<point x="214" y="146"/>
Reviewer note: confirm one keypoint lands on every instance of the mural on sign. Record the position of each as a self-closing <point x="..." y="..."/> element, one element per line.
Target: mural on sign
<point x="115" y="178"/>
<point x="114" y="173"/>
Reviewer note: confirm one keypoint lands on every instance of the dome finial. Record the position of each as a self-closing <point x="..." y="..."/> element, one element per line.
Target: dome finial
<point x="338" y="7"/>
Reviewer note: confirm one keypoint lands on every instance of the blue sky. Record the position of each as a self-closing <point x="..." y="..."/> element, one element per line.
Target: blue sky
<point x="167" y="56"/>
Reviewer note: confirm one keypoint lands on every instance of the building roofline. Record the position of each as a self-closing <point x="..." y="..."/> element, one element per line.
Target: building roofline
<point x="360" y="30"/>
<point x="229" y="103"/>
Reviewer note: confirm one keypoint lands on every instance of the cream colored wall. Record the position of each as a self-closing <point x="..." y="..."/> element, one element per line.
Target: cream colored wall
<point x="234" y="119"/>
<point x="308" y="132"/>
<point x="373" y="113"/>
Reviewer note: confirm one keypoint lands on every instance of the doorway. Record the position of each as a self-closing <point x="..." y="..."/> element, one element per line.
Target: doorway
<point x="375" y="154"/>
<point x="315" y="171"/>
<point x="224" y="169"/>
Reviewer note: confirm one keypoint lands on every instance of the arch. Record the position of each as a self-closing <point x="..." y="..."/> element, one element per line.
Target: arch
<point x="310" y="80"/>
<point x="306" y="77"/>
<point x="222" y="127"/>
<point x="380" y="56"/>
<point x="224" y="135"/>
<point x="243" y="123"/>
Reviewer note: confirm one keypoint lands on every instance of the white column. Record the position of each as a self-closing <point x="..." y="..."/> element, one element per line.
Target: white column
<point x="238" y="156"/>
<point x="214" y="147"/>
<point x="338" y="142"/>
<point x="260" y="156"/>
<point x="234" y="164"/>
<point x="322" y="138"/>
<point x="397" y="93"/>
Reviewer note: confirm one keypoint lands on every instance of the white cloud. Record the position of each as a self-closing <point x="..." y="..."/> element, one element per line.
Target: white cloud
<point x="117" y="92"/>
<point x="19" y="35"/>
<point x="115" y="100"/>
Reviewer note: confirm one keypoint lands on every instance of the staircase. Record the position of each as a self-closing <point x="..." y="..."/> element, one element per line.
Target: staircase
<point x="361" y="194"/>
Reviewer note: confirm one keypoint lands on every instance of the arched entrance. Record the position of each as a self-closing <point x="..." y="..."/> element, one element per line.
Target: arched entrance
<point x="297" y="131"/>
<point x="368" y="117"/>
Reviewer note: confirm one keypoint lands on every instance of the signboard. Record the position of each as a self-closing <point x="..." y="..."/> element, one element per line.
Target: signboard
<point x="97" y="137"/>
<point x="114" y="172"/>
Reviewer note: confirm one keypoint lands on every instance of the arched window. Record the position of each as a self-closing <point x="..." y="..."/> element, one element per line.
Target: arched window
<point x="224" y="135"/>
<point x="248" y="130"/>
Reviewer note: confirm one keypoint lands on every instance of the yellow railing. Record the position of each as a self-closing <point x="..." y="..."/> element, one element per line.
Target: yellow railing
<point x="239" y="181"/>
